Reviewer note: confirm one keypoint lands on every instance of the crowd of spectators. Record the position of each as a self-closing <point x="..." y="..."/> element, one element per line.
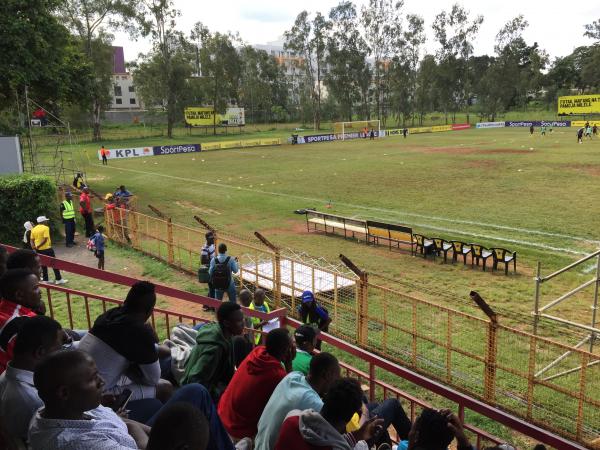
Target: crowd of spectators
<point x="112" y="387"/>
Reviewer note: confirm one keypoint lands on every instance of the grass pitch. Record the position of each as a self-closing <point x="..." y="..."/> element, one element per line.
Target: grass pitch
<point x="536" y="195"/>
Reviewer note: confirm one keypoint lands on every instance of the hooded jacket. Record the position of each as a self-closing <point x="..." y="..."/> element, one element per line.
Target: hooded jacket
<point x="211" y="361"/>
<point x="308" y="430"/>
<point x="248" y="392"/>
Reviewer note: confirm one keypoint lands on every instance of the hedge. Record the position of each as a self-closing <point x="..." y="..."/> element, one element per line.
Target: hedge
<point x="23" y="198"/>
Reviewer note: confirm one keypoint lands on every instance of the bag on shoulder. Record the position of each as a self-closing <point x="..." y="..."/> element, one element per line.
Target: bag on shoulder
<point x="221" y="276"/>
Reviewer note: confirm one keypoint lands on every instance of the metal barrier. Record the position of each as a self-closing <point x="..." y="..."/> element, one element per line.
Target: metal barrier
<point x="79" y="308"/>
<point x="494" y="362"/>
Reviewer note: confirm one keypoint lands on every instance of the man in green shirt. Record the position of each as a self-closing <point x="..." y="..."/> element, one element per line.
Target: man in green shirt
<point x="306" y="340"/>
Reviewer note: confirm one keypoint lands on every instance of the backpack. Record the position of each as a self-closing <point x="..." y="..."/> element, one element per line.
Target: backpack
<point x="206" y="255"/>
<point x="221" y="276"/>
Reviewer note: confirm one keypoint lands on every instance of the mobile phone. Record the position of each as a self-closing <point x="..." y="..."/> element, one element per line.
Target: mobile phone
<point x="122" y="400"/>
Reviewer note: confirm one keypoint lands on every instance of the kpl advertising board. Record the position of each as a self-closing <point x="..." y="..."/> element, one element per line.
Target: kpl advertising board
<point x="137" y="152"/>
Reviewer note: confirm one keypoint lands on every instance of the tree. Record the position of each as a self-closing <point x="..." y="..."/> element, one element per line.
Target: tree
<point x="592" y="30"/>
<point x="308" y="39"/>
<point x="220" y="67"/>
<point x="262" y="85"/>
<point x="426" y="96"/>
<point x="37" y="53"/>
<point x="382" y="27"/>
<point x="348" y="77"/>
<point x="87" y="18"/>
<point x="455" y="32"/>
<point x="163" y="74"/>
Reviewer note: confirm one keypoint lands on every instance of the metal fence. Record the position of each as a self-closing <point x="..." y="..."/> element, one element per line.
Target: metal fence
<point x="483" y="357"/>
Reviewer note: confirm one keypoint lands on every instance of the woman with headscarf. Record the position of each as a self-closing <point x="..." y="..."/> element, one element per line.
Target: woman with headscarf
<point x="27" y="235"/>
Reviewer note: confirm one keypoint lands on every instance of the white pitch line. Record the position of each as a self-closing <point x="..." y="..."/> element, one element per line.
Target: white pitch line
<point x="311" y="199"/>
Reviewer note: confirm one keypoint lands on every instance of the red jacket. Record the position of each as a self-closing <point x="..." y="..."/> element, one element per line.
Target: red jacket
<point x="248" y="392"/>
<point x="12" y="316"/>
<point x="291" y="439"/>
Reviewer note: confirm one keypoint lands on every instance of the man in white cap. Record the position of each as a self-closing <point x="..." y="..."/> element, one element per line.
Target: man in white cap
<point x="41" y="243"/>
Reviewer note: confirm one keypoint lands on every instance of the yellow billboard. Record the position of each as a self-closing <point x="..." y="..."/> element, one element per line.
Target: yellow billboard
<point x="202" y="116"/>
<point x="579" y="104"/>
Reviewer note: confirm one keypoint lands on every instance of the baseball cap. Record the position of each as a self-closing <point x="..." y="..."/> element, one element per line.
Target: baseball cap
<point x="305" y="333"/>
<point x="108" y="196"/>
<point x="307" y="296"/>
<point x="41" y="219"/>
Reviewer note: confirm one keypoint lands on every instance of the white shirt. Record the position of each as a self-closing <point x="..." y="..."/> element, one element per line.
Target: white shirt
<point x="101" y="429"/>
<point x="19" y="401"/>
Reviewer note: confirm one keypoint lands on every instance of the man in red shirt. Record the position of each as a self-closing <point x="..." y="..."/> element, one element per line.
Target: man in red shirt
<point x="251" y="387"/>
<point x="310" y="430"/>
<point x="85" y="208"/>
<point x="21" y="298"/>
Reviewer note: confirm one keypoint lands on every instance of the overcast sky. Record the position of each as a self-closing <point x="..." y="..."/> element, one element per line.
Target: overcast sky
<point x="558" y="28"/>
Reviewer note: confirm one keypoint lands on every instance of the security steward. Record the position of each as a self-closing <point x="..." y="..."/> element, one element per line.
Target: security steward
<point x="67" y="211"/>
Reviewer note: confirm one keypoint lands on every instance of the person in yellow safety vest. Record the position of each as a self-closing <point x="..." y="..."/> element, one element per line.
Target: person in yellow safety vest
<point x="259" y="304"/>
<point x="67" y="211"/>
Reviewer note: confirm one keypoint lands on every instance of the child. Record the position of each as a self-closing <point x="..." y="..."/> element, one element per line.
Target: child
<point x="259" y="304"/>
<point x="98" y="239"/>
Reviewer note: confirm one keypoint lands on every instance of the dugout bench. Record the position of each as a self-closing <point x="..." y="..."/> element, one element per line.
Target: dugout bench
<point x="330" y="223"/>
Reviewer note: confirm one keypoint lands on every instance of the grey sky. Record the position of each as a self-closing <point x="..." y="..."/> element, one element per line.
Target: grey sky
<point x="556" y="27"/>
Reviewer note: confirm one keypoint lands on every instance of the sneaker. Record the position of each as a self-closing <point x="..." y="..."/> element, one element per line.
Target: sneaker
<point x="47" y="281"/>
<point x="61" y="281"/>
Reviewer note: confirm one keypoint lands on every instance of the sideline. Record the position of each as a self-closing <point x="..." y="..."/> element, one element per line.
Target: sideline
<point x="393" y="213"/>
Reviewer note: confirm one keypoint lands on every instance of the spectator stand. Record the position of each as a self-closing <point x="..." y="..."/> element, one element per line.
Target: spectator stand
<point x="81" y="308"/>
<point x="448" y="345"/>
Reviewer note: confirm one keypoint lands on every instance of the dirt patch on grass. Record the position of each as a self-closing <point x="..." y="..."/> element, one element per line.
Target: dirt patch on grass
<point x="191" y="206"/>
<point x="289" y="227"/>
<point x="589" y="169"/>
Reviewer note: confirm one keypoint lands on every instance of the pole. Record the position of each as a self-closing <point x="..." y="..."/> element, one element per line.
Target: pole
<point x="362" y="293"/>
<point x="29" y="140"/>
<point x="276" y="269"/>
<point x="536" y="303"/>
<point x="489" y="379"/>
<point x="595" y="306"/>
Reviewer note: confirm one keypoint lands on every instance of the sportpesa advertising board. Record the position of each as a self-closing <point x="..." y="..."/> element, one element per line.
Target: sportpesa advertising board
<point x="137" y="152"/>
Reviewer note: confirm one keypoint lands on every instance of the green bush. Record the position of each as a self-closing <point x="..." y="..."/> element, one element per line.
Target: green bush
<point x="23" y="198"/>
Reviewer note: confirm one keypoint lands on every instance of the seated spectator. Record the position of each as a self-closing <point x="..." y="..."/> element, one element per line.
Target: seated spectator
<point x="243" y="345"/>
<point x="125" y="347"/>
<point x="3" y="258"/>
<point x="25" y="259"/>
<point x="392" y="413"/>
<point x="306" y="341"/>
<point x="122" y="192"/>
<point x="211" y="361"/>
<point x="179" y="426"/>
<point x="71" y="388"/>
<point x="21" y="299"/>
<point x="259" y="304"/>
<point x="251" y="387"/>
<point x="314" y="314"/>
<point x="435" y="430"/>
<point x="309" y="430"/>
<point x="19" y="400"/>
<point x="296" y="391"/>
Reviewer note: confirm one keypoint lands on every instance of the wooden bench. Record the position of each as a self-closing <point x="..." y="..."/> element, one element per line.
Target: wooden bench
<point x="390" y="233"/>
<point x="350" y="227"/>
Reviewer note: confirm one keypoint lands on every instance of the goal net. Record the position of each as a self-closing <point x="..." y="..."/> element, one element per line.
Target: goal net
<point x="356" y="129"/>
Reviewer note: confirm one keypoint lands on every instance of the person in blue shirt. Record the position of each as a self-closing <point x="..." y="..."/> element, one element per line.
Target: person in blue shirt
<point x="221" y="270"/>
<point x="314" y="314"/>
<point x="98" y="239"/>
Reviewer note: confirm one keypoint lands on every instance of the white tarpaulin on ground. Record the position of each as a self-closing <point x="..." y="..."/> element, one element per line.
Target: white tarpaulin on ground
<point x="304" y="277"/>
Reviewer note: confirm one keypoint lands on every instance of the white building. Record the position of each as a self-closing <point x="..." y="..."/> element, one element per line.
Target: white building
<point x="123" y="94"/>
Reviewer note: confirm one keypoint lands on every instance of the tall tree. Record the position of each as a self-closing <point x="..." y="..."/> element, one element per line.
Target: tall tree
<point x="348" y="76"/>
<point x="37" y="53"/>
<point x="592" y="30"/>
<point x="308" y="39"/>
<point x="87" y="18"/>
<point x="426" y="96"/>
<point x="382" y="27"/>
<point x="163" y="73"/>
<point x="220" y="67"/>
<point x="454" y="30"/>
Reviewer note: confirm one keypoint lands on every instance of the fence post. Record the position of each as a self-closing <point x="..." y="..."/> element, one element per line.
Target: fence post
<point x="170" y="252"/>
<point x="362" y="293"/>
<point x="276" y="268"/>
<point x="492" y="349"/>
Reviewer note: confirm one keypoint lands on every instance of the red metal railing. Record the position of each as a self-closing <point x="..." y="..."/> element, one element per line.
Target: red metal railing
<point x="462" y="401"/>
